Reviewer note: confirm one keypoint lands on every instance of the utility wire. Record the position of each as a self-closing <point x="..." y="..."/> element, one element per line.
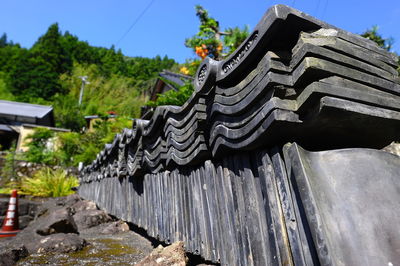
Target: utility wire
<point x="324" y="10"/>
<point x="136" y="21"/>
<point x="316" y="11"/>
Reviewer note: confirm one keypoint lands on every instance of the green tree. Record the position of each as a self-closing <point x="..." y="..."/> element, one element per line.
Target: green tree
<point x="67" y="112"/>
<point x="19" y="73"/>
<point x="80" y="51"/>
<point x="373" y="35"/>
<point x="34" y="73"/>
<point x="234" y="38"/>
<point x="115" y="93"/>
<point x="49" y="47"/>
<point x="211" y="41"/>
<point x="38" y="151"/>
<point x="174" y="97"/>
<point x="83" y="147"/>
<point x="48" y="73"/>
<point x="5" y="94"/>
<point x="3" y="40"/>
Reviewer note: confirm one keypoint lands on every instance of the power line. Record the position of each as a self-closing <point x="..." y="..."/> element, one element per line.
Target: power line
<point x="316" y="11"/>
<point x="136" y="21"/>
<point x="324" y="10"/>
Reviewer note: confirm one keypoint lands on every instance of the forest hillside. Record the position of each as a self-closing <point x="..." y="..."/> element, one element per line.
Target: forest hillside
<point x="50" y="73"/>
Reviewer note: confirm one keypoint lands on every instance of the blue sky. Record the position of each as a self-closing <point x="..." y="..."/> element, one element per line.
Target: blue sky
<point x="164" y="26"/>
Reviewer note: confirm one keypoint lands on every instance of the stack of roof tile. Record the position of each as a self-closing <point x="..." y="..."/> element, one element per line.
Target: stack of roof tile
<point x="295" y="78"/>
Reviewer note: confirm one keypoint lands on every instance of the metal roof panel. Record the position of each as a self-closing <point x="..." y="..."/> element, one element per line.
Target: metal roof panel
<point x="24" y="109"/>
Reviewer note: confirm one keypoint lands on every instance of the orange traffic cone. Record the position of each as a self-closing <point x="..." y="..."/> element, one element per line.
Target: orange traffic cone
<point x="10" y="224"/>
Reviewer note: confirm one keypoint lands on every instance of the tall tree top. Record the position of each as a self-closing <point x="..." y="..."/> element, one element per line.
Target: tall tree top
<point x="211" y="41"/>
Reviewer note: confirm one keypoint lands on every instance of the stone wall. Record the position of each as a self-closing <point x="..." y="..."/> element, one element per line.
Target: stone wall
<point x="28" y="169"/>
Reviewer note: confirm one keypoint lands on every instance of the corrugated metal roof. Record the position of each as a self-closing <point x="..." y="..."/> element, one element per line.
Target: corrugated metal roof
<point x="24" y="109"/>
<point x="175" y="77"/>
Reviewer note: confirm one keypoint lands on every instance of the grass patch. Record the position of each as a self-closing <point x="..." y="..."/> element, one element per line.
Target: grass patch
<point x="49" y="183"/>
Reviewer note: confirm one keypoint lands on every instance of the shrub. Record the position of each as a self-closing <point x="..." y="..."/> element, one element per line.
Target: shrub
<point x="83" y="147"/>
<point x="7" y="172"/>
<point x="38" y="147"/>
<point x="49" y="183"/>
<point x="173" y="97"/>
<point x="9" y="187"/>
<point x="70" y="145"/>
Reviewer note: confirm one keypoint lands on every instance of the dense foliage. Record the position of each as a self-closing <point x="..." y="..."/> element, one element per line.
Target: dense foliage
<point x="40" y="150"/>
<point x="174" y="97"/>
<point x="49" y="73"/>
<point x="373" y="35"/>
<point x="7" y="171"/>
<point x="70" y="148"/>
<point x="49" y="183"/>
<point x="83" y="147"/>
<point x="386" y="43"/>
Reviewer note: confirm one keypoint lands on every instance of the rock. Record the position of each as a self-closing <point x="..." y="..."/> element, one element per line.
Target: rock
<point x="23" y="207"/>
<point x="68" y="200"/>
<point x="114" y="228"/>
<point x="54" y="204"/>
<point x="26" y="210"/>
<point x="90" y="218"/>
<point x="3" y="206"/>
<point x="10" y="255"/>
<point x="24" y="220"/>
<point x="33" y="208"/>
<point x="61" y="243"/>
<point x="58" y="221"/>
<point x="110" y="228"/>
<point x="54" y="228"/>
<point x="84" y="205"/>
<point x="170" y="255"/>
<point x="393" y="148"/>
<point x="27" y="207"/>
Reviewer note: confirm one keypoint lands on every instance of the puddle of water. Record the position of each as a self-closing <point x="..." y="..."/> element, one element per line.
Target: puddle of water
<point x="100" y="251"/>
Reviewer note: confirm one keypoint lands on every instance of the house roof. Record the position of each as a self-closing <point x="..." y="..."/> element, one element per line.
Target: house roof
<point x="60" y="129"/>
<point x="24" y="109"/>
<point x="175" y="77"/>
<point x="166" y="81"/>
<point x="6" y="128"/>
<point x="172" y="79"/>
<point x="89" y="117"/>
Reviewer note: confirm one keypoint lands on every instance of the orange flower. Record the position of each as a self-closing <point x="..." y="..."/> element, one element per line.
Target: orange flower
<point x="219" y="48"/>
<point x="201" y="51"/>
<point x="198" y="50"/>
<point x="184" y="70"/>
